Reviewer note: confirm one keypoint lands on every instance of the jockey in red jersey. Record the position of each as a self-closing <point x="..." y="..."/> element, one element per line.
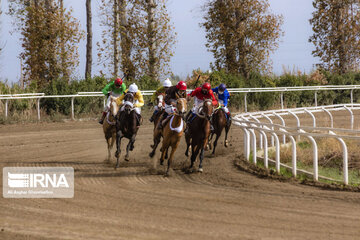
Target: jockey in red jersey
<point x="201" y="94"/>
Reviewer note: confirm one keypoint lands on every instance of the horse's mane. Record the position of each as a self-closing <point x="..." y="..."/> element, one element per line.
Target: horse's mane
<point x="129" y="97"/>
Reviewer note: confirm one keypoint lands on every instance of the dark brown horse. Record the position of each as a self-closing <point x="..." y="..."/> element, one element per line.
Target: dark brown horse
<point x="198" y="134"/>
<point x="126" y="126"/>
<point x="219" y="123"/>
<point x="160" y="104"/>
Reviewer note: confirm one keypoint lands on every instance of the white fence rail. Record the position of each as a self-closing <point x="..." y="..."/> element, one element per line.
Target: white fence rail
<point x="261" y="123"/>
<point x="39" y="96"/>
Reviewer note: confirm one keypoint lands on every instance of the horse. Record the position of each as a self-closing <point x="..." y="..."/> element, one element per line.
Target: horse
<point x="126" y="127"/>
<point x="109" y="126"/>
<point x="172" y="133"/>
<point x="198" y="134"/>
<point x="158" y="132"/>
<point x="219" y="123"/>
<point x="160" y="104"/>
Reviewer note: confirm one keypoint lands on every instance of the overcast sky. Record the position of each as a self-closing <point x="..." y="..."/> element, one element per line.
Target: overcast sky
<point x="294" y="51"/>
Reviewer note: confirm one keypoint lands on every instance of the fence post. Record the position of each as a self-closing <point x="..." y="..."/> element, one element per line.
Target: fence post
<point x="245" y="102"/>
<point x="277" y="156"/>
<point x="282" y="100"/>
<point x="6" y="107"/>
<point x="72" y="108"/>
<point x="316" y="104"/>
<point x="38" y="109"/>
<point x="352" y="96"/>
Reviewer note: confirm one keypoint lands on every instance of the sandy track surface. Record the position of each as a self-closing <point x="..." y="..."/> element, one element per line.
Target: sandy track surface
<point x="136" y="202"/>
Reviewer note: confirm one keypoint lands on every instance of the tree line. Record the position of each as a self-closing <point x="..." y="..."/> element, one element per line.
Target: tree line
<point x="138" y="37"/>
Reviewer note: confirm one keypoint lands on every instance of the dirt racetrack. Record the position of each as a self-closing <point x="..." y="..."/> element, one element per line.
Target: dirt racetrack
<point x="135" y="202"/>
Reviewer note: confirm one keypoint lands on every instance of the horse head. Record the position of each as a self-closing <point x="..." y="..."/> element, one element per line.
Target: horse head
<point x="128" y="102"/>
<point x="206" y="109"/>
<point x="181" y="106"/>
<point x="114" y="108"/>
<point x="160" y="100"/>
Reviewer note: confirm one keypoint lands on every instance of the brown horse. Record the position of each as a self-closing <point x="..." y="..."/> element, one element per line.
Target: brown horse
<point x="219" y="123"/>
<point x="126" y="126"/>
<point x="172" y="132"/>
<point x="109" y="127"/>
<point x="198" y="134"/>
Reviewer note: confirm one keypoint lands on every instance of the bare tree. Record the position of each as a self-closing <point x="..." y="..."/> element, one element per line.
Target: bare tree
<point x="88" y="40"/>
<point x="115" y="38"/>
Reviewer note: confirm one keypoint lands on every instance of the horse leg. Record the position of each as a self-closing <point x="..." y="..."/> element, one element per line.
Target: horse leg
<point x="194" y="153"/>
<point x="210" y="139"/>
<point x="128" y="147"/>
<point x="173" y="150"/>
<point x="154" y="147"/>
<point x="201" y="159"/>
<point x="187" y="138"/>
<point x="166" y="154"/>
<point x="118" y="149"/>
<point x="226" y="143"/>
<point x="216" y="140"/>
<point x="109" y="146"/>
<point x="164" y="149"/>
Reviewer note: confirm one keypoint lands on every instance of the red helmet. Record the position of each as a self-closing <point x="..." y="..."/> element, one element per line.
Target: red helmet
<point x="181" y="85"/>
<point x="206" y="86"/>
<point x="118" y="82"/>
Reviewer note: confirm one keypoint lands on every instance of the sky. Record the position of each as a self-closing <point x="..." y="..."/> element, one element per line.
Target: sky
<point x="294" y="50"/>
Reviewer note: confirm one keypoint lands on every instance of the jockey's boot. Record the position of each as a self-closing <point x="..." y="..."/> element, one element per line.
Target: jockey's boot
<point x="228" y="119"/>
<point x="153" y="116"/>
<point x="102" y="118"/>
<point x="160" y="125"/>
<point x="187" y="117"/>
<point x="138" y="119"/>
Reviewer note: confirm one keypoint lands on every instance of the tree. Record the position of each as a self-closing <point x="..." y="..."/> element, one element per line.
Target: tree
<point x="49" y="39"/>
<point x="241" y="34"/>
<point x="146" y="37"/>
<point x="336" y="26"/>
<point x="89" y="35"/>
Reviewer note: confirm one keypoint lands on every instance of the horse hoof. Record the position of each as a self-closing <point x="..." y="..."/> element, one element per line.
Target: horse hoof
<point x="226" y="143"/>
<point x="186" y="154"/>
<point x="127" y="158"/>
<point x="167" y="174"/>
<point x="161" y="162"/>
<point x="200" y="170"/>
<point x="152" y="145"/>
<point x="151" y="154"/>
<point x="116" y="154"/>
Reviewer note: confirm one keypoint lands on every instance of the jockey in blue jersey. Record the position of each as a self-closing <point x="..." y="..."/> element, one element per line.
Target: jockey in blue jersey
<point x="224" y="96"/>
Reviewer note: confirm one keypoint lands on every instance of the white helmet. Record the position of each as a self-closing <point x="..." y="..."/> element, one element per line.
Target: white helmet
<point x="167" y="83"/>
<point x="133" y="88"/>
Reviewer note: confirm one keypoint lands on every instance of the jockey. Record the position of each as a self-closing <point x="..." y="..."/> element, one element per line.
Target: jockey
<point x="172" y="94"/>
<point x="115" y="89"/>
<point x="138" y="98"/>
<point x="160" y="91"/>
<point x="201" y="94"/>
<point x="223" y="96"/>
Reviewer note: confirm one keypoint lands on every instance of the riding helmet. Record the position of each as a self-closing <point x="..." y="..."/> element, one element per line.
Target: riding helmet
<point x="206" y="86"/>
<point x="167" y="83"/>
<point x="181" y="85"/>
<point x="222" y="87"/>
<point x="118" y="82"/>
<point x="133" y="88"/>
